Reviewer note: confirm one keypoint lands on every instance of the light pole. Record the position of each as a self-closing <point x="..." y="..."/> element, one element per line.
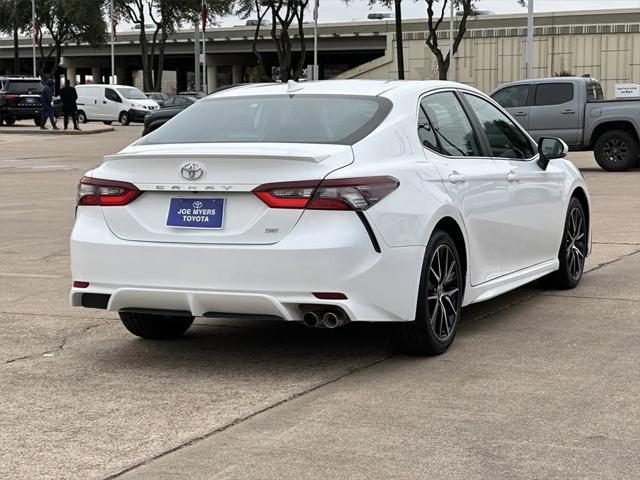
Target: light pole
<point x="530" y="39"/>
<point x="113" y="32"/>
<point x="33" y="37"/>
<point x="451" y="71"/>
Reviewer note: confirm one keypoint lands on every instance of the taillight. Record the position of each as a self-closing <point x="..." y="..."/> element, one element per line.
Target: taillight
<point x="107" y="193"/>
<point x="10" y="96"/>
<point x="340" y="194"/>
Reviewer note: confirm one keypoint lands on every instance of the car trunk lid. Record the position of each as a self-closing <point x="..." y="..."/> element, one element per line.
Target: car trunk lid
<point x="229" y="173"/>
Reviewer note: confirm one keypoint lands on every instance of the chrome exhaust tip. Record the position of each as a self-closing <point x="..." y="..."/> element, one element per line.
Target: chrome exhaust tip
<point x="333" y="319"/>
<point x="311" y="319"/>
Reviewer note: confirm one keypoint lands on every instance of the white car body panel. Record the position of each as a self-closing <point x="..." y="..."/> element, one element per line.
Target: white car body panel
<point x="511" y="228"/>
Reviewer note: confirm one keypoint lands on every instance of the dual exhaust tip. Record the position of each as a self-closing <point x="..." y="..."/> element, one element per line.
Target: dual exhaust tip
<point x="332" y="318"/>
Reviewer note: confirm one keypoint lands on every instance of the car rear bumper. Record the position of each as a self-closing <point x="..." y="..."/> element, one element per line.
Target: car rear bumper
<point x="258" y="280"/>
<point x="21" y="113"/>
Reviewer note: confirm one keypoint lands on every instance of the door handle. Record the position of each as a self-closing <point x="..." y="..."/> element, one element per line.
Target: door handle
<point x="513" y="177"/>
<point x="568" y="112"/>
<point x="104" y="101"/>
<point x="520" y="114"/>
<point x="457" y="178"/>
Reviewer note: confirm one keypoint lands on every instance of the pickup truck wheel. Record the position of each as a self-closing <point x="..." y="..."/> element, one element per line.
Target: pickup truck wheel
<point x="10" y="120"/>
<point x="616" y="151"/>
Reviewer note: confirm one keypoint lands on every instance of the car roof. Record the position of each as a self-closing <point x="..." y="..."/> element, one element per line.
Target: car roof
<point x="388" y="88"/>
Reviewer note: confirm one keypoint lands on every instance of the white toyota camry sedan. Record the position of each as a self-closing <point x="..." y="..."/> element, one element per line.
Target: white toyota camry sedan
<point x="327" y="203"/>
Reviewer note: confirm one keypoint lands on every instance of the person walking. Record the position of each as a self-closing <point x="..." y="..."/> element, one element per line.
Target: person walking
<point x="69" y="96"/>
<point x="46" y="97"/>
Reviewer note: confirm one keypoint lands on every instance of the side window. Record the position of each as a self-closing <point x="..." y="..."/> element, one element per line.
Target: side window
<point x="168" y="102"/>
<point x="110" y="94"/>
<point x="505" y="138"/>
<point x="510" y="97"/>
<point x="179" y="101"/>
<point x="450" y="124"/>
<point x="426" y="132"/>
<point x="594" y="91"/>
<point x="553" y="93"/>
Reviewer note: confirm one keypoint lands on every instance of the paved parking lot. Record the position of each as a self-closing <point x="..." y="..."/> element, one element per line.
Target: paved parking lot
<point x="537" y="385"/>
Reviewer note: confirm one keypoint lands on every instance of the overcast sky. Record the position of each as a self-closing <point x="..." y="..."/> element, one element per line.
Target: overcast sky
<point x="337" y="10"/>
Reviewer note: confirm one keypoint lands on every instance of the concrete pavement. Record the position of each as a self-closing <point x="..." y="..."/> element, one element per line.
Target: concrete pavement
<point x="537" y="384"/>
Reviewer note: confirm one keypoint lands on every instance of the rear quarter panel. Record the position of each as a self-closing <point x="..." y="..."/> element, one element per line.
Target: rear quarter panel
<point x="599" y="113"/>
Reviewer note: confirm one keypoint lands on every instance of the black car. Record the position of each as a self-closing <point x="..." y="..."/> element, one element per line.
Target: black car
<point x="20" y="99"/>
<point x="170" y="108"/>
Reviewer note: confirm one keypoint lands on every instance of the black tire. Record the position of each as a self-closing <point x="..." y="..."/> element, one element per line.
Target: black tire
<point x="10" y="120"/>
<point x="123" y="118"/>
<point x="155" y="327"/>
<point x="439" y="301"/>
<point x="616" y="151"/>
<point x="82" y="117"/>
<point x="1" y="121"/>
<point x="573" y="250"/>
<point x="107" y="122"/>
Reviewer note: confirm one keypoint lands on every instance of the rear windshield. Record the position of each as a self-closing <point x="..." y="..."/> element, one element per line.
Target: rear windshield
<point x="23" y="86"/>
<point x="334" y="119"/>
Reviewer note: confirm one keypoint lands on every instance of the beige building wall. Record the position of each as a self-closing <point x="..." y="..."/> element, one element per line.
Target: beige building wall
<point x="489" y="57"/>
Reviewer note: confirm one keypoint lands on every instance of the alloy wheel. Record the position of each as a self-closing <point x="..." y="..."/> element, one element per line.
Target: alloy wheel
<point x="443" y="292"/>
<point x="576" y="244"/>
<point x="615" y="150"/>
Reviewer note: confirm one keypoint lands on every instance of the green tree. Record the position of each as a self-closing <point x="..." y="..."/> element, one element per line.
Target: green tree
<point x="165" y="16"/>
<point x="68" y="21"/>
<point x="284" y="14"/>
<point x="15" y="17"/>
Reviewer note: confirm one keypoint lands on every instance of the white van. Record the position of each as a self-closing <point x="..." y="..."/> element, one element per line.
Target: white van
<point x="109" y="103"/>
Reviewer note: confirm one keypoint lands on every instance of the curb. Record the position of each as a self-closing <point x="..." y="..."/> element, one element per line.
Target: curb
<point x="14" y="131"/>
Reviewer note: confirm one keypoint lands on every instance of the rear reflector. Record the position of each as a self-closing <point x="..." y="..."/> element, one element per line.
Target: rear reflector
<point x="78" y="284"/>
<point x="330" y="295"/>
<point x="107" y="193"/>
<point x="341" y="194"/>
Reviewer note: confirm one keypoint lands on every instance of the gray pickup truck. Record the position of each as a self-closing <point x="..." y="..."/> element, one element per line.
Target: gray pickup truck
<point x="574" y="109"/>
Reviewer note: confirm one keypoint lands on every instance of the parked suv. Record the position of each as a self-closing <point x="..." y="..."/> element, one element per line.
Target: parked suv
<point x="20" y="99"/>
<point x="574" y="109"/>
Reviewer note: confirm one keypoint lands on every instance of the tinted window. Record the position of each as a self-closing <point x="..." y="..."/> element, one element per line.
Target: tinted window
<point x="451" y="125"/>
<point x="505" y="138"/>
<point x="110" y="94"/>
<point x="168" y="102"/>
<point x="337" y="119"/>
<point x="594" y="91"/>
<point x="553" y="93"/>
<point x="23" y="86"/>
<point x="510" y="97"/>
<point x="426" y="132"/>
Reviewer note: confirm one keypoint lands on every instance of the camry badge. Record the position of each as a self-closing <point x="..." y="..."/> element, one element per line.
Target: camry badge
<point x="191" y="171"/>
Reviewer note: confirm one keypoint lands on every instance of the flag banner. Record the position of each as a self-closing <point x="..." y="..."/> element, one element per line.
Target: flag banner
<point x="114" y="24"/>
<point x="203" y="15"/>
<point x="316" y="7"/>
<point x="37" y="31"/>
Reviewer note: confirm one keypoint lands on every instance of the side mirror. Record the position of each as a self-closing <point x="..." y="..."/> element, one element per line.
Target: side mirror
<point x="550" y="148"/>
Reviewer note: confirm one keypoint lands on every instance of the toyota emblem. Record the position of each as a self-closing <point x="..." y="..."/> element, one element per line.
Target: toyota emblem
<point x="191" y="171"/>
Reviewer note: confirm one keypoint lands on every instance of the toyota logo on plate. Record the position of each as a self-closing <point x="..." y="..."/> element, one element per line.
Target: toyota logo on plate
<point x="197" y="204"/>
<point x="191" y="171"/>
